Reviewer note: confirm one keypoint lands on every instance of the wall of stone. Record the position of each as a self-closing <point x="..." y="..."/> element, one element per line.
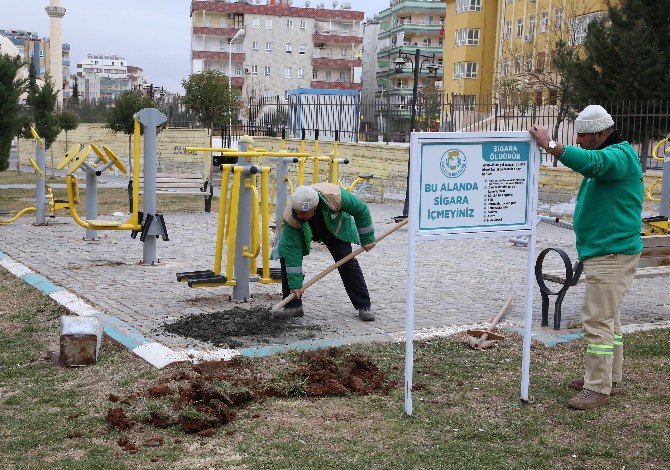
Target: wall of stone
<point x="387" y="162"/>
<point x="170" y="147"/>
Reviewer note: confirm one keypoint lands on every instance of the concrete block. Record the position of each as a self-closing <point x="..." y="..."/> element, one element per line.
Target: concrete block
<point x="80" y="339"/>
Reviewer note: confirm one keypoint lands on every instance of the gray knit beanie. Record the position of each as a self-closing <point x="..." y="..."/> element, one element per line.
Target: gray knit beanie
<point x="593" y="119"/>
<point x="304" y="198"/>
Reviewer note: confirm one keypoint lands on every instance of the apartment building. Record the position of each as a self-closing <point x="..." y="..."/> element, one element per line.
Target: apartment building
<point x="102" y="77"/>
<point x="405" y="26"/>
<point x="489" y="45"/>
<point x="36" y="49"/>
<point x="281" y="48"/>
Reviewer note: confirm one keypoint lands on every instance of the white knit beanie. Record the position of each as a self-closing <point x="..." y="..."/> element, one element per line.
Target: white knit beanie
<point x="593" y="119"/>
<point x="304" y="198"/>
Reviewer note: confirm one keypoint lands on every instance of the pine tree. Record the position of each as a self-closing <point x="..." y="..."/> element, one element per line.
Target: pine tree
<point x="11" y="116"/>
<point x="74" y="99"/>
<point x="625" y="61"/>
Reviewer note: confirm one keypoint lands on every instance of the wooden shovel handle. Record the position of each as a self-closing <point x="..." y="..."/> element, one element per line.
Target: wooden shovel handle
<point x="338" y="264"/>
<point x="500" y="314"/>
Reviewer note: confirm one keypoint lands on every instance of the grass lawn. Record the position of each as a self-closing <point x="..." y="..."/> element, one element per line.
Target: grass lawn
<point x="467" y="412"/>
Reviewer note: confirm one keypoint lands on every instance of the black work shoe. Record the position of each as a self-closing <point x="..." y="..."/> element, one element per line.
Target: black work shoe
<point x="366" y="314"/>
<point x="588" y="399"/>
<point x="578" y="384"/>
<point x="288" y="313"/>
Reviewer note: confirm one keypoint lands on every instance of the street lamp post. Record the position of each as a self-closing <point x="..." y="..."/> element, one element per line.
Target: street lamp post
<point x="417" y="65"/>
<point x="230" y="79"/>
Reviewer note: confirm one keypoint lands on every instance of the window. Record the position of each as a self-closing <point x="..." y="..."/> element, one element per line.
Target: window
<point x="267" y="70"/>
<point x="268" y="23"/>
<point x="558" y="18"/>
<point x="465" y="70"/>
<point x="255" y="23"/>
<point x="222" y="45"/>
<point x="289" y="24"/>
<point x="268" y="47"/>
<point x="254" y="70"/>
<point x="41" y="53"/>
<point x="343" y="52"/>
<point x="531" y="26"/>
<point x="208" y="20"/>
<point x="529" y="64"/>
<point x="238" y="47"/>
<point x="303" y="25"/>
<point x="329" y="52"/>
<point x="517" y="66"/>
<point x="315" y="75"/>
<point x="426" y="41"/>
<point x="287" y="72"/>
<point x="579" y="25"/>
<point x="467" y="36"/>
<point x="238" y="70"/>
<point x="505" y="68"/>
<point x="544" y="21"/>
<point x="254" y="46"/>
<point x="468" y="5"/>
<point x="519" y="27"/>
<point x="343" y="75"/>
<point x="508" y="29"/>
<point x="289" y="47"/>
<point x="427" y="20"/>
<point x="301" y="49"/>
<point x="465" y="102"/>
<point x="540" y="60"/>
<point x="329" y="75"/>
<point x="301" y="72"/>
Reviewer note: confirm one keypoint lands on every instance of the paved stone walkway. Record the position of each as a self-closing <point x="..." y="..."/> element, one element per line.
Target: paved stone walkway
<point x="459" y="282"/>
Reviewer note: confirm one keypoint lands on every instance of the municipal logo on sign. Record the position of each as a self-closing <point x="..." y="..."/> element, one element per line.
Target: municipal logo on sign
<point x="453" y="163"/>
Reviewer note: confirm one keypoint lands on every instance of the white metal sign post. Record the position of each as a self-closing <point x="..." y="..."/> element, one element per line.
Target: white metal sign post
<point x="471" y="185"/>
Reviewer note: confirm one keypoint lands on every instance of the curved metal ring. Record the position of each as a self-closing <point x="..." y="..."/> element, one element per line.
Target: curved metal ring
<point x="568" y="271"/>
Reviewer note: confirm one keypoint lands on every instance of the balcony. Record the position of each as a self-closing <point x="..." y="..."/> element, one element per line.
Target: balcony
<point x="238" y="82"/>
<point x="217" y="55"/>
<point x="335" y="63"/>
<point x="336" y="39"/>
<point x="336" y="85"/>
<point x="209" y="31"/>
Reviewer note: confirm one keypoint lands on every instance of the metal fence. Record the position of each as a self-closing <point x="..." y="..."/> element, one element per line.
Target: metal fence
<point x="387" y="119"/>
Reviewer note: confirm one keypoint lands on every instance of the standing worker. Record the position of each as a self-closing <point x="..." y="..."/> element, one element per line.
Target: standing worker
<point x="607" y="223"/>
<point x="330" y="214"/>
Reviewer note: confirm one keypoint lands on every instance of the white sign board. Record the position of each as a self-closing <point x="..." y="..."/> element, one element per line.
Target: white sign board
<point x="471" y="185"/>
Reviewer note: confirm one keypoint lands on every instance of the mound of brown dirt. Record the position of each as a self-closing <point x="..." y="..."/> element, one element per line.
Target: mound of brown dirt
<point x="207" y="396"/>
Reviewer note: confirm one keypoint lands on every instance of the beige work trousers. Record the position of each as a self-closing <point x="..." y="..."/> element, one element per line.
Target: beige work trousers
<point x="608" y="279"/>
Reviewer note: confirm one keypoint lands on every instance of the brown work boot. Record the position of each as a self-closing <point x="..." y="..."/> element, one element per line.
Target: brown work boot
<point x="578" y="384"/>
<point x="588" y="399"/>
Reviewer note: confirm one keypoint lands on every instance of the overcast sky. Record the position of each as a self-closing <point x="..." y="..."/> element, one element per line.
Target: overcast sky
<point x="148" y="33"/>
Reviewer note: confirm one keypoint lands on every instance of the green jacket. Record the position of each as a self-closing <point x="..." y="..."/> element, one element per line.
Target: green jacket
<point x="608" y="213"/>
<point x="346" y="216"/>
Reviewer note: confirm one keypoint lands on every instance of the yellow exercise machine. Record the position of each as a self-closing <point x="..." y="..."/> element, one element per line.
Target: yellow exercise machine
<point x="659" y="225"/>
<point x="108" y="158"/>
<point x="44" y="196"/>
<point x="245" y="236"/>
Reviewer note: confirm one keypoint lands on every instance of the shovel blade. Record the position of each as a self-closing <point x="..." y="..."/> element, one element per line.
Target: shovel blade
<point x="479" y="333"/>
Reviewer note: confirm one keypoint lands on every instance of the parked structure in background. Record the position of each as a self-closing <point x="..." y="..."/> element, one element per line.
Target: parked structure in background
<point x="102" y="77"/>
<point x="405" y="26"/>
<point x="36" y="49"/>
<point x="283" y="47"/>
<point x="523" y="36"/>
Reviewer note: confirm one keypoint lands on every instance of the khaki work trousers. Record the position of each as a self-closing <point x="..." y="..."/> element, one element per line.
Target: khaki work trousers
<point x="608" y="279"/>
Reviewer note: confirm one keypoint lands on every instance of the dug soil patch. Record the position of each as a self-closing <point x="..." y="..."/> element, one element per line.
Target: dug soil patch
<point x="208" y="395"/>
<point x="240" y="327"/>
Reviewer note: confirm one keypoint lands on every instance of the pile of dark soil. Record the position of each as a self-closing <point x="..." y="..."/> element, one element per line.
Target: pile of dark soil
<point x="207" y="396"/>
<point x="234" y="328"/>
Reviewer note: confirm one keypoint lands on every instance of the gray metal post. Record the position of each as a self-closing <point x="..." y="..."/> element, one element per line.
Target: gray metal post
<point x="40" y="183"/>
<point x="91" y="203"/>
<point x="243" y="234"/>
<point x="665" y="188"/>
<point x="151" y="118"/>
<point x="281" y="196"/>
